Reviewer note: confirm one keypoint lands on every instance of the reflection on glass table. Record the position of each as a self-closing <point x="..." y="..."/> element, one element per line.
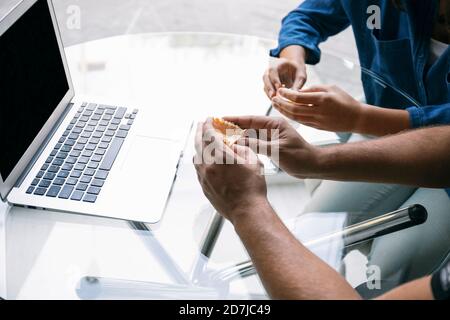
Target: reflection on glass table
<point x="177" y="76"/>
<point x="328" y="235"/>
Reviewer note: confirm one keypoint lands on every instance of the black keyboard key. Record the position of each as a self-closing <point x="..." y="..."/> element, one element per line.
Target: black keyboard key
<point x="125" y="127"/>
<point x="110" y="133"/>
<point x="78" y="147"/>
<point x="70" y="127"/>
<point x="82" y="186"/>
<point x="93" y="123"/>
<point x="107" y="117"/>
<point x="74" y="136"/>
<point x="113" y="127"/>
<point x="85" y="179"/>
<point x="97" y="183"/>
<point x="53" y="169"/>
<point x="40" y="191"/>
<point x="88" y="113"/>
<point x="45" y="183"/>
<point x="81" y="125"/>
<point x="87" y="154"/>
<point x="66" y="133"/>
<point x="95" y="141"/>
<point x="35" y="182"/>
<point x="100" y="152"/>
<point x="90" y="129"/>
<point x="72" y="181"/>
<point x="110" y="112"/>
<point x="120" y="113"/>
<point x="75" y="174"/>
<point x="77" y="130"/>
<point x="58" y="162"/>
<point x="96" y="117"/>
<point x="104" y="123"/>
<point x="135" y="111"/>
<point x="103" y="145"/>
<point x="49" y="176"/>
<point x="133" y="116"/>
<point x="93" y="165"/>
<point x="49" y="160"/>
<point x="63" y="174"/>
<point x="91" y="147"/>
<point x="71" y="160"/>
<point x="53" y="153"/>
<point x="101" y="174"/>
<point x="106" y="139"/>
<point x="73" y="121"/>
<point x="90" y="198"/>
<point x="62" y="139"/>
<point x="96" y="158"/>
<point x="58" y="146"/>
<point x="80" y="167"/>
<point x="45" y="167"/>
<point x="83" y="140"/>
<point x="62" y="155"/>
<point x="83" y="160"/>
<point x="101" y="128"/>
<point x="89" y="172"/>
<point x="94" y="191"/>
<point x="97" y="134"/>
<point x="84" y="119"/>
<point x="59" y="181"/>
<point x="40" y="174"/>
<point x="53" y="191"/>
<point x="86" y="134"/>
<point x="77" y="195"/>
<point x="75" y="153"/>
<point x="66" y="148"/>
<point x="70" y="142"/>
<point x="30" y="190"/>
<point x="65" y="192"/>
<point x="121" y="134"/>
<point x="111" y="154"/>
<point x="67" y="167"/>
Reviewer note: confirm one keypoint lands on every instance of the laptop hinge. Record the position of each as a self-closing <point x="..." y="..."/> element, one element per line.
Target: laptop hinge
<point x="43" y="146"/>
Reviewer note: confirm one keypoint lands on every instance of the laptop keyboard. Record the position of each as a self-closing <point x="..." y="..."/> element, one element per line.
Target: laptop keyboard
<point x="79" y="165"/>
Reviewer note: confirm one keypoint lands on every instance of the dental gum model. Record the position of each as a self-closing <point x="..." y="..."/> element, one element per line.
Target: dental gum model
<point x="231" y="133"/>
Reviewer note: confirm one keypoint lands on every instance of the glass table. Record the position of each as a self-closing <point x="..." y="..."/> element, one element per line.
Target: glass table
<point x="51" y="255"/>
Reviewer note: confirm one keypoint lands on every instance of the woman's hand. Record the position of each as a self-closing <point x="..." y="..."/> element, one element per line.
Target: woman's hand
<point x="284" y="72"/>
<point x="322" y="107"/>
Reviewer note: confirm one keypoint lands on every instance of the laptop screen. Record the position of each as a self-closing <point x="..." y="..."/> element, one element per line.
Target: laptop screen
<point x="32" y="82"/>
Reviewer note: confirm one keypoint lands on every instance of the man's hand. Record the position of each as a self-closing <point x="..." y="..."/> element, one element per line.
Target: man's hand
<point x="275" y="138"/>
<point x="284" y="72"/>
<point x="322" y="107"/>
<point x="231" y="178"/>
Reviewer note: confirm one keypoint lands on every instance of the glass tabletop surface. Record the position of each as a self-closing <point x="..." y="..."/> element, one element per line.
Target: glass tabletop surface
<point x="178" y="76"/>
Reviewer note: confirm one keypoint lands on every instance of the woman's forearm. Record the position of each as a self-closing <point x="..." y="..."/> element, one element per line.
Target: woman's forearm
<point x="294" y="53"/>
<point x="378" y="121"/>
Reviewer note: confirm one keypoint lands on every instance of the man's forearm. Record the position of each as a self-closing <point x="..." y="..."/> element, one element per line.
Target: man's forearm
<point x="287" y="269"/>
<point x="419" y="158"/>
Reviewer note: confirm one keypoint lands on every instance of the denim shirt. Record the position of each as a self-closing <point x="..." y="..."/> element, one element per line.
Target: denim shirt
<point x="396" y="54"/>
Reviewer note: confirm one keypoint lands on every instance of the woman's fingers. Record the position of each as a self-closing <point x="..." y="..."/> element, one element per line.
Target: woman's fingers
<point x="302" y="97"/>
<point x="294" y="108"/>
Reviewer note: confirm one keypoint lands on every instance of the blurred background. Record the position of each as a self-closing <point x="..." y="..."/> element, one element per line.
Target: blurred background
<point x="105" y="18"/>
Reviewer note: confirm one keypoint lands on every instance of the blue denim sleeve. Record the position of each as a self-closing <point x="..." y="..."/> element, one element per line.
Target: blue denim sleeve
<point x="309" y="25"/>
<point x="429" y="115"/>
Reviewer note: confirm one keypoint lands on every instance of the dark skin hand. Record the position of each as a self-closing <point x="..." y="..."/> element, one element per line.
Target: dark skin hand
<point x="287" y="269"/>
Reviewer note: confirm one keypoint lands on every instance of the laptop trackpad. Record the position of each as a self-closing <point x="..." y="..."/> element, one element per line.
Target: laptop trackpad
<point x="148" y="154"/>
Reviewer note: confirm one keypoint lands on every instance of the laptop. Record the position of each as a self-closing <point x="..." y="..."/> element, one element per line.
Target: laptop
<point x="79" y="157"/>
